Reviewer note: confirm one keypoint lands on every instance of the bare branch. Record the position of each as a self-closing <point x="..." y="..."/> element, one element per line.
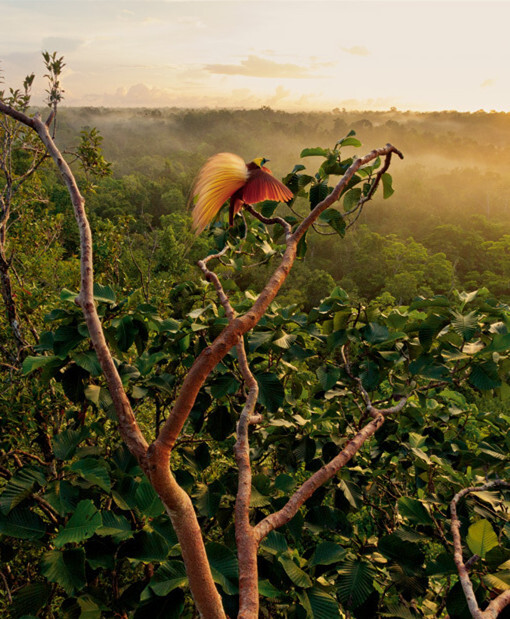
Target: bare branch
<point x="503" y="600"/>
<point x="270" y="220"/>
<point x="325" y="473"/>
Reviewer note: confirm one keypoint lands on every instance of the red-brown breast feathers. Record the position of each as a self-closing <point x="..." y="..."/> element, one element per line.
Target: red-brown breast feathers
<point x="262" y="185"/>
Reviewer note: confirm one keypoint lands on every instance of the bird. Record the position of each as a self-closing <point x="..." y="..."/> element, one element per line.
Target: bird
<point x="226" y="175"/>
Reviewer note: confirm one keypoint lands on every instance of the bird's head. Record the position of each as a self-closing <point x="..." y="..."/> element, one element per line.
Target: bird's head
<point x="260" y="161"/>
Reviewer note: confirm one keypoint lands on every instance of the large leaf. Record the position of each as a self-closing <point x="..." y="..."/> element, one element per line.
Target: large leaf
<point x="66" y="568"/>
<point x="271" y="391"/>
<point x="327" y="553"/>
<point x="414" y="510"/>
<point x="481" y="538"/>
<point x="147" y="501"/>
<point x="499" y="580"/>
<point x="315" y="152"/>
<point x="323" y="605"/>
<point x="115" y="525"/>
<point x="83" y="524"/>
<point x="294" y="572"/>
<point x="485" y="376"/>
<point x="30" y="599"/>
<point x="170" y="576"/>
<point x="20" y="486"/>
<point x="65" y="443"/>
<point x="354" y="583"/>
<point x="146" y="546"/>
<point x="103" y="294"/>
<point x="94" y="471"/>
<point x="465" y="325"/>
<point x="22" y="524"/>
<point x="224" y="566"/>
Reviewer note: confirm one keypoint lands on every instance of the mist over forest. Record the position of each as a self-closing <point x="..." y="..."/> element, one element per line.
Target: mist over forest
<point x="445" y="227"/>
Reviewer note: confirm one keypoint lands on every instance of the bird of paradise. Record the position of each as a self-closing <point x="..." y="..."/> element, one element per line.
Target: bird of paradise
<point x="225" y="176"/>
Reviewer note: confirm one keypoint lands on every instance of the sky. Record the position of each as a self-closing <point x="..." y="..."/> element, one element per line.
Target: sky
<point x="287" y="54"/>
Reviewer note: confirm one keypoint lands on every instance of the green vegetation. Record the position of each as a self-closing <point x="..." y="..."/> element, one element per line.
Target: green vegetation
<point x="369" y="314"/>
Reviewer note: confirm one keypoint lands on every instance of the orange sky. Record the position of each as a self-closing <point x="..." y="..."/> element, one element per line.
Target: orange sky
<point x="422" y="55"/>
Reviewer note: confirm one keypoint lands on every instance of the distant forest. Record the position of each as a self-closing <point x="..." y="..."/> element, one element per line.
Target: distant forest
<point x="445" y="227"/>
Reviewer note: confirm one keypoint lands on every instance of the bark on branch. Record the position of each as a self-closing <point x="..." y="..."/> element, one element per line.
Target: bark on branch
<point x="503" y="600"/>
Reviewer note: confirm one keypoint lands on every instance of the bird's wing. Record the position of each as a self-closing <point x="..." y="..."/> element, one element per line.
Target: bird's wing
<point x="221" y="176"/>
<point x="262" y="185"/>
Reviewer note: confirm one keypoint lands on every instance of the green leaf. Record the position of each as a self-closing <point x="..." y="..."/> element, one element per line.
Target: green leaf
<point x="115" y="525"/>
<point x="65" y="338"/>
<point x="93" y="394"/>
<point x="499" y="580"/>
<point x="354" y="582"/>
<point x="323" y="605"/>
<point x="22" y="524"/>
<point x="170" y="576"/>
<point x="83" y="524"/>
<point x="88" y="361"/>
<point x="89" y="608"/>
<point x="146" y="546"/>
<point x="328" y="376"/>
<point x="318" y="192"/>
<point x="302" y="247"/>
<point x="402" y="552"/>
<point x="104" y="294"/>
<point x="30" y="599"/>
<point x="94" y="471"/>
<point x="294" y="572"/>
<point x="274" y="543"/>
<point x="34" y="363"/>
<point x="481" y="538"/>
<point x="65" y="443"/>
<point x="20" y="486"/>
<point x="499" y="342"/>
<point x="351" y="198"/>
<point x="220" y="423"/>
<point x="335" y="219"/>
<point x="414" y="510"/>
<point x="352" y="493"/>
<point x="267" y="590"/>
<point x="271" y="391"/>
<point x="125" y="333"/>
<point x="147" y="500"/>
<point x="224" y="566"/>
<point x="375" y="333"/>
<point x="226" y="384"/>
<point x="484" y="376"/>
<point x="466" y="326"/>
<point x="386" y="183"/>
<point x="66" y="568"/>
<point x="349" y="141"/>
<point x="327" y="553"/>
<point x="315" y="152"/>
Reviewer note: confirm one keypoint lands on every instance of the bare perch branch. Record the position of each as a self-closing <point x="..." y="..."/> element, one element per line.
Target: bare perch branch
<point x="503" y="600"/>
<point x="325" y="473"/>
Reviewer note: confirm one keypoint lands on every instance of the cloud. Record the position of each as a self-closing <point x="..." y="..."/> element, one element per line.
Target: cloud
<point x="254" y="66"/>
<point x="487" y="83"/>
<point x="62" y="44"/>
<point x="356" y="50"/>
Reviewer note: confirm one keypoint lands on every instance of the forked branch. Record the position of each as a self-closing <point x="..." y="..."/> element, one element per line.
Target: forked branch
<point x="501" y="601"/>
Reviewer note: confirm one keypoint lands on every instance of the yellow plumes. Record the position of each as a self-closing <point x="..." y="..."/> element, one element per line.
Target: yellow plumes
<point x="222" y="175"/>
